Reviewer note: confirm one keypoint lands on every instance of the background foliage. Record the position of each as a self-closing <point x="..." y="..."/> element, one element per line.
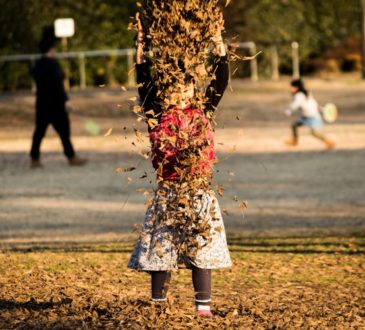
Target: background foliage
<point x="101" y="24"/>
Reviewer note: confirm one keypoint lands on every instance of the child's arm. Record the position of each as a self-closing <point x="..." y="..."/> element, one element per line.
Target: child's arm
<point x="142" y="66"/>
<point x="297" y="103"/>
<point x="219" y="83"/>
<point x="144" y="80"/>
<point x="147" y="91"/>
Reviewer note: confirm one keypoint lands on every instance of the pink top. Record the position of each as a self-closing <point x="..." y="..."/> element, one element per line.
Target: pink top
<point x="179" y="132"/>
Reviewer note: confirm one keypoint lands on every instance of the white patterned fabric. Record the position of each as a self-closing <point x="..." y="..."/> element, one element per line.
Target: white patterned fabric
<point x="155" y="250"/>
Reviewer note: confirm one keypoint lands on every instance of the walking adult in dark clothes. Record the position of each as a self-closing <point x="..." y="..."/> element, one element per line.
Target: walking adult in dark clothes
<point x="51" y="103"/>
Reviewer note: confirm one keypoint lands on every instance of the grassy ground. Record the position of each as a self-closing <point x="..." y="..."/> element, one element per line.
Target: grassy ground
<point x="275" y="284"/>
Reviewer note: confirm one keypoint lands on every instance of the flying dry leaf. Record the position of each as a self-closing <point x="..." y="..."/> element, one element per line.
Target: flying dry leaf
<point x="152" y="123"/>
<point x="124" y="170"/>
<point x="143" y="176"/>
<point x="243" y="205"/>
<point x="150" y="112"/>
<point x="109" y="132"/>
<point x="137" y="109"/>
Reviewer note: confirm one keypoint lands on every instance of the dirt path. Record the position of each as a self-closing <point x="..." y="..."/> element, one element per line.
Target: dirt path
<point x="305" y="191"/>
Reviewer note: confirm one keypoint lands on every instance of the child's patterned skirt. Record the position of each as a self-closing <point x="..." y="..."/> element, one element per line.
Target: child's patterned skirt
<point x="156" y="251"/>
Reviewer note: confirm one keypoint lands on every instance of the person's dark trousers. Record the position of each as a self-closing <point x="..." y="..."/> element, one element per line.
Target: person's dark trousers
<point x="58" y="118"/>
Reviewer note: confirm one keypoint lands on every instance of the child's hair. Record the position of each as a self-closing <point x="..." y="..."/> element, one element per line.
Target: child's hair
<point x="298" y="83"/>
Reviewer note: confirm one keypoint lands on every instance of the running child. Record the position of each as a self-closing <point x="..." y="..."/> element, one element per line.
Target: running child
<point x="310" y="115"/>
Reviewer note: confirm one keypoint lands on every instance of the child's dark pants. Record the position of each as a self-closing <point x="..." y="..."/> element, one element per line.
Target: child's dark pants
<point x="201" y="282"/>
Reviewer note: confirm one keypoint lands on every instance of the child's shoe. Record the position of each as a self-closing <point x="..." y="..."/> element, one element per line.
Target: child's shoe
<point x="330" y="144"/>
<point x="204" y="313"/>
<point x="291" y="142"/>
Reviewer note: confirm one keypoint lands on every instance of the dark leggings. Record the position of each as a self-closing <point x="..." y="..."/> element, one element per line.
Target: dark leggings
<point x="316" y="133"/>
<point x="295" y="127"/>
<point x="201" y="281"/>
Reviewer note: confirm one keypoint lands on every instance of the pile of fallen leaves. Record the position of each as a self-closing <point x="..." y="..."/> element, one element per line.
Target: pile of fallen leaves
<point x="179" y="45"/>
<point x="314" y="284"/>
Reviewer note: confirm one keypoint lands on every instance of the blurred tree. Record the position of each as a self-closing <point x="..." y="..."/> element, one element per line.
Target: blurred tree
<point x="363" y="38"/>
<point x="314" y="24"/>
<point x="100" y="24"/>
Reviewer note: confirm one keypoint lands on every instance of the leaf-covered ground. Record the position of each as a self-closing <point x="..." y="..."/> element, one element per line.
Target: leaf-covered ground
<point x="301" y="283"/>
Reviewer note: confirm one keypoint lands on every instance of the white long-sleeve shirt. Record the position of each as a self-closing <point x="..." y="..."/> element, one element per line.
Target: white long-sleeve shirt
<point x="306" y="104"/>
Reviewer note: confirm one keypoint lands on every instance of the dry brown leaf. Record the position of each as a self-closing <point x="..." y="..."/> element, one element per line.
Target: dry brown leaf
<point x="109" y="132"/>
<point x="243" y="205"/>
<point x="124" y="170"/>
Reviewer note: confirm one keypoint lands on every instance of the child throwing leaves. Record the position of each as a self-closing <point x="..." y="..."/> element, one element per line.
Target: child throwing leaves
<point x="310" y="114"/>
<point x="183" y="227"/>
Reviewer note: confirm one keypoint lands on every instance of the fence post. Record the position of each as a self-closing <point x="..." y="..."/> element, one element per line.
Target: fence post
<point x="67" y="65"/>
<point x="274" y="63"/>
<point x="32" y="64"/>
<point x="131" y="73"/>
<point x="253" y="62"/>
<point x="82" y="70"/>
<point x="295" y="56"/>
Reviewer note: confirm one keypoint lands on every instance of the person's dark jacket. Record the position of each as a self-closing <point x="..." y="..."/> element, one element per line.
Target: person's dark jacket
<point x="49" y="77"/>
<point x="214" y="92"/>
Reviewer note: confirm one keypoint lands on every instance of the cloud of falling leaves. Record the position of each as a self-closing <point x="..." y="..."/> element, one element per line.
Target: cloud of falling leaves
<point x="179" y="45"/>
<point x="179" y="42"/>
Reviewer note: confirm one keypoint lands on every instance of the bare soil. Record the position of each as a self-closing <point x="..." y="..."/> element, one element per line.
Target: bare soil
<point x="290" y="191"/>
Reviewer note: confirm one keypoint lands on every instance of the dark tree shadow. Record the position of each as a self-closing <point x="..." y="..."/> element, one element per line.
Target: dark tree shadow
<point x="33" y="304"/>
<point x="243" y="245"/>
